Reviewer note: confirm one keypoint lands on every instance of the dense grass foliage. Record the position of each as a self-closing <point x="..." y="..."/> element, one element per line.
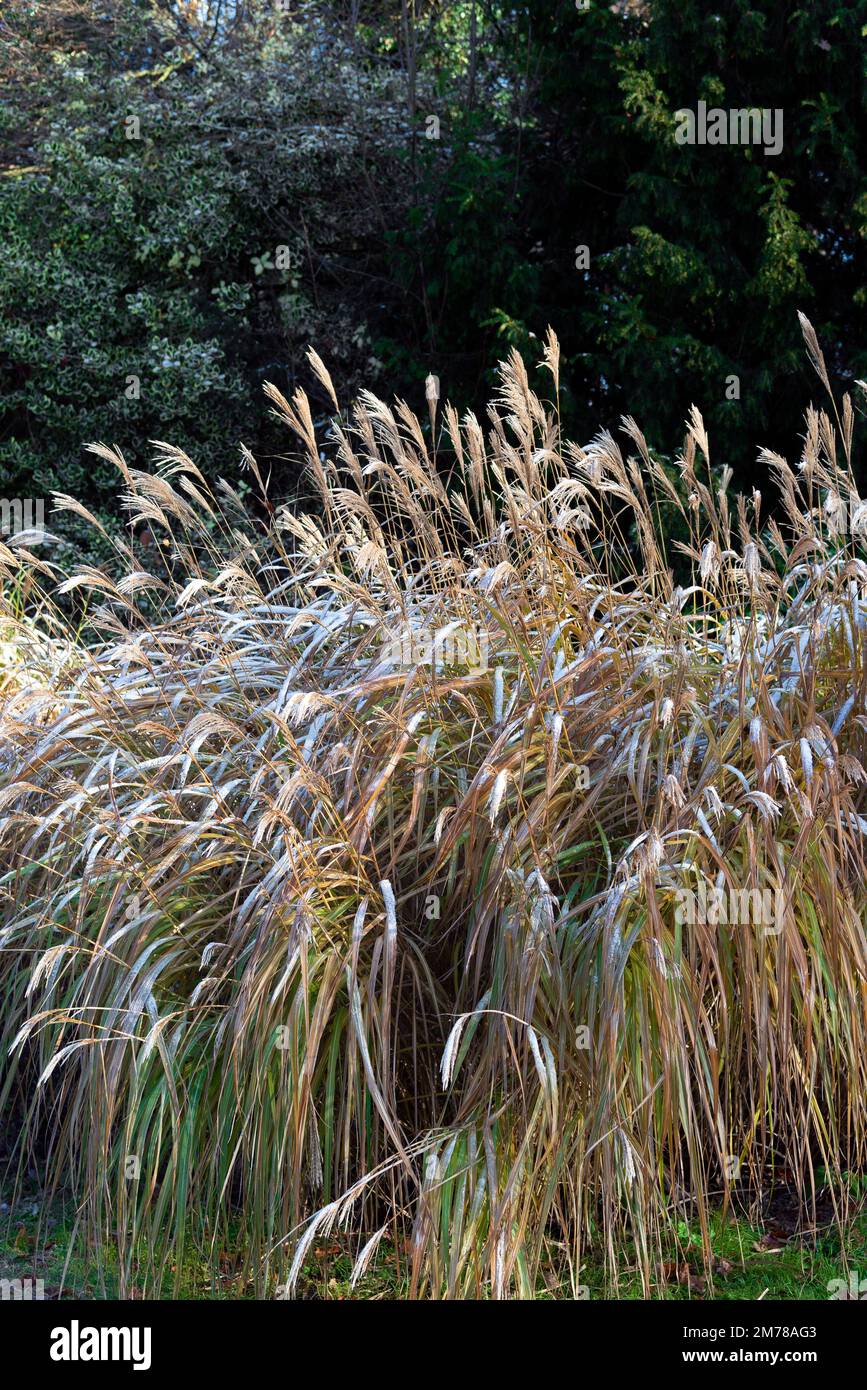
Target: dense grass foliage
<point x="316" y="917"/>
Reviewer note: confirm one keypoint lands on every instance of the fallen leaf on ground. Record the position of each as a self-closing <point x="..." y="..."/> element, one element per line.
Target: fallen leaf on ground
<point x="769" y="1245"/>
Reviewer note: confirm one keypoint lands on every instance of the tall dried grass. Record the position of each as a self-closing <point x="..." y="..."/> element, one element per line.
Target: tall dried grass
<point x="300" y="938"/>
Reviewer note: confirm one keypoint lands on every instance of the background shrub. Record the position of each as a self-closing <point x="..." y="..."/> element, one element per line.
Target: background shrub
<point x="307" y="127"/>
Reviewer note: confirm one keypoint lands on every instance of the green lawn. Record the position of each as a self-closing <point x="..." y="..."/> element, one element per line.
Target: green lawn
<point x="38" y="1240"/>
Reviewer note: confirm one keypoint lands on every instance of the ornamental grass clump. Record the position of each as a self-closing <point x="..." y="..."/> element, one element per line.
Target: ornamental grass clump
<point x="399" y="866"/>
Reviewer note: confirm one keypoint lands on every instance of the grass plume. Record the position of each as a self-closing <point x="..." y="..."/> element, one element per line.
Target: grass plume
<point x="343" y="859"/>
